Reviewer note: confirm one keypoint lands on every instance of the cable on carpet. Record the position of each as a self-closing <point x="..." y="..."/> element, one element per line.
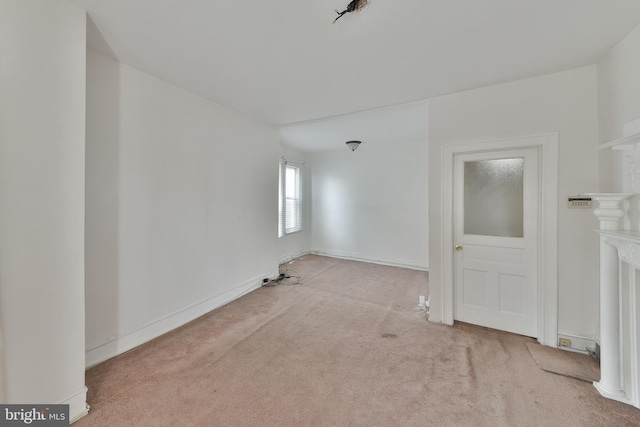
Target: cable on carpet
<point x="288" y="276"/>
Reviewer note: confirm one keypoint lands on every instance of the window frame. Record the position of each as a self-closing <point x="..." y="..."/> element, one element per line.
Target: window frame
<point x="284" y="199"/>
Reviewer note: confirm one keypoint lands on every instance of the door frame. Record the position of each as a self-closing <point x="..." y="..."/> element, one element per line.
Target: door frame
<point x="547" y="146"/>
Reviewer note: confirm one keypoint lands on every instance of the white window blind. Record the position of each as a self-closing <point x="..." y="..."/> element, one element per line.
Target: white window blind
<point x="290" y="200"/>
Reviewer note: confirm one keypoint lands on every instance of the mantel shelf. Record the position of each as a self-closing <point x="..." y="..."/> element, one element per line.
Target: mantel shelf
<point x="624" y="235"/>
<point x="627" y="141"/>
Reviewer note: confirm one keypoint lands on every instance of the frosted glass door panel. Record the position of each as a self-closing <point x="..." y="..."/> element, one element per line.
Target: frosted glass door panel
<point x="493" y="197"/>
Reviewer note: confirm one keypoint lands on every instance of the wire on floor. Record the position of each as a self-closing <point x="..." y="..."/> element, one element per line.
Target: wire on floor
<point x="288" y="276"/>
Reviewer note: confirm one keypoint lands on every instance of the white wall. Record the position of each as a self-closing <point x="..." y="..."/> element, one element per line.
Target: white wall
<point x="619" y="104"/>
<point x="372" y="204"/>
<point x="42" y="129"/>
<point x="565" y="102"/>
<point x="181" y="206"/>
<point x="296" y="244"/>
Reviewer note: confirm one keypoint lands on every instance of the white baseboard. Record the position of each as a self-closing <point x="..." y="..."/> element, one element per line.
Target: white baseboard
<point x="578" y="344"/>
<point x="78" y="407"/>
<point x="126" y="341"/>
<point x="290" y="256"/>
<point x="410" y="264"/>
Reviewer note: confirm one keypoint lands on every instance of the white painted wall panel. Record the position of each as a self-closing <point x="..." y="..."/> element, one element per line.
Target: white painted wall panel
<point x="42" y="160"/>
<point x="181" y="206"/>
<point x="372" y="204"/>
<point x="619" y="104"/>
<point x="564" y="102"/>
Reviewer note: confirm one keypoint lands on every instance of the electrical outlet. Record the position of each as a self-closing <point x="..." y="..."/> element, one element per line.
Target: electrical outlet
<point x="565" y="342"/>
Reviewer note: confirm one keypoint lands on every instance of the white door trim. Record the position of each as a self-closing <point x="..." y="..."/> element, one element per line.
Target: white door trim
<point x="547" y="144"/>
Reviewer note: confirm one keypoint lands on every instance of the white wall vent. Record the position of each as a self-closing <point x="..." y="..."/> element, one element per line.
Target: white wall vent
<point x="579" y="202"/>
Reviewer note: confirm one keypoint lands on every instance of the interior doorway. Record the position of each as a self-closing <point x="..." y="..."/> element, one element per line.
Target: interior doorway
<point x="510" y="295"/>
<point x="495" y="228"/>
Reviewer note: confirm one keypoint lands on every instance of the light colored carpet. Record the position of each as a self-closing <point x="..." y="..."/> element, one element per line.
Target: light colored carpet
<point x="569" y="364"/>
<point x="343" y="348"/>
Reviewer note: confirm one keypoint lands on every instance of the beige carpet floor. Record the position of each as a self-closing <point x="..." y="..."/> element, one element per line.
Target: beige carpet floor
<point x="561" y="362"/>
<point x="345" y="347"/>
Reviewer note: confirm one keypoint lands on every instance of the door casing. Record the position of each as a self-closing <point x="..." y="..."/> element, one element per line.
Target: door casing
<point x="547" y="286"/>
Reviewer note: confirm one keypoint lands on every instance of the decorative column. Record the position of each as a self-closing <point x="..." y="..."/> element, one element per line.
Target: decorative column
<point x="609" y="211"/>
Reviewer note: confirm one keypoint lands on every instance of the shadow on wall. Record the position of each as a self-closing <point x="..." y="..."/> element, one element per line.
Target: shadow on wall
<point x="102" y="269"/>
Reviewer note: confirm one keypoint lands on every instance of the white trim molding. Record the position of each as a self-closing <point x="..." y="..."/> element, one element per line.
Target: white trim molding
<point x="579" y="344"/>
<point x="391" y="262"/>
<point x="547" y="146"/>
<point x="78" y="407"/>
<point x="291" y="256"/>
<point x="621" y="143"/>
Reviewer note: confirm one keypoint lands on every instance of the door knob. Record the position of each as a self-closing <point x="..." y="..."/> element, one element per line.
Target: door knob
<point x="458" y="248"/>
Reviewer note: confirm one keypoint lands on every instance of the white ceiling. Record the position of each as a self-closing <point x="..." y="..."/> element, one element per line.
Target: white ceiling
<point x="405" y="123"/>
<point x="283" y="62"/>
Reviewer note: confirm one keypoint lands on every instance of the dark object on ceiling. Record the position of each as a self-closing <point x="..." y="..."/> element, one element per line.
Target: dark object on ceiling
<point x="353" y="145"/>
<point x="351" y="7"/>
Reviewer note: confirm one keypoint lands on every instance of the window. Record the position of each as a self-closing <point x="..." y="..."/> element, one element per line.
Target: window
<point x="290" y="199"/>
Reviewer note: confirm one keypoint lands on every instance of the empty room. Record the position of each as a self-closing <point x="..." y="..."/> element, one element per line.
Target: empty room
<point x="325" y="212"/>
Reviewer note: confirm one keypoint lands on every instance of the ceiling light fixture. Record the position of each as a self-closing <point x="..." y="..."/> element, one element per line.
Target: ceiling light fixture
<point x="353" y="145"/>
<point x="351" y="7"/>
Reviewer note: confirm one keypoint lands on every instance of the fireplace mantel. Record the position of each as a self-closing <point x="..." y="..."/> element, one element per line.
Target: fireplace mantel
<point x="622" y="143"/>
<point x="619" y="301"/>
<point x="627" y="243"/>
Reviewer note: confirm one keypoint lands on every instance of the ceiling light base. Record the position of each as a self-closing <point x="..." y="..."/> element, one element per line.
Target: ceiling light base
<point x="353" y="144"/>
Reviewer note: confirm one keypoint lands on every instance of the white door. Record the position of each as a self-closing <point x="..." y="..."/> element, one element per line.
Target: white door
<point x="495" y="231"/>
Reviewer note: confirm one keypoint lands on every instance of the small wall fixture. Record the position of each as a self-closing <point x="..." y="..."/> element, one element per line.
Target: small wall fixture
<point x="353" y="145"/>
